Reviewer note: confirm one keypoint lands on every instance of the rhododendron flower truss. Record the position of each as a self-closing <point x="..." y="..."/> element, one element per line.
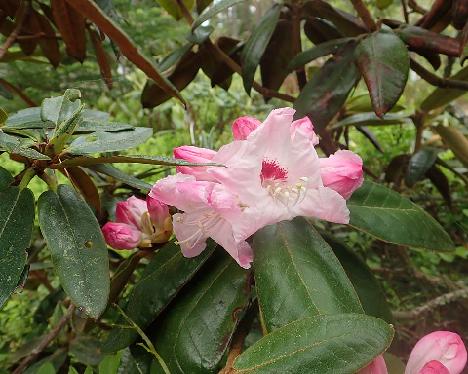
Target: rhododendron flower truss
<point x="209" y="210"/>
<point x="139" y="223"/>
<point x="275" y="172"/>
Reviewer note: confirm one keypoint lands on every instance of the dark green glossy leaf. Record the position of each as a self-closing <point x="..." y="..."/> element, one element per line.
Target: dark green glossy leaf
<point x="419" y="164"/>
<point x="16" y="220"/>
<point x="174" y="57"/>
<point x="214" y="9"/>
<point x="101" y="141"/>
<point x="370" y="119"/>
<point x="91" y="126"/>
<point x="346" y="23"/>
<point x="274" y="65"/>
<point x="94" y="116"/>
<point x="127" y="179"/>
<point x="257" y="43"/>
<point x="86" y="350"/>
<point x="78" y="250"/>
<point x="385" y="214"/>
<point x="200" y="34"/>
<point x="160" y="282"/>
<point x="320" y="50"/>
<point x="366" y="285"/>
<point x="5" y="178"/>
<point x="383" y="60"/>
<point x="297" y="275"/>
<point x="147" y="160"/>
<point x="320" y="30"/>
<point x="14" y="145"/>
<point x="324" y="95"/>
<point x="342" y="343"/>
<point x="197" y="329"/>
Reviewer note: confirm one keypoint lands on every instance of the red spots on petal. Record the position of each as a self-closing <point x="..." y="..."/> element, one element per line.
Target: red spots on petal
<point x="271" y="170"/>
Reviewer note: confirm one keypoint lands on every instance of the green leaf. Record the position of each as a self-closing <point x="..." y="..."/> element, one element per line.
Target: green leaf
<point x="370" y="119"/>
<point x="160" y="282"/>
<point x="174" y="57"/>
<point x="383" y="4"/>
<point x="419" y="164"/>
<point x="86" y="350"/>
<point x="16" y="222"/>
<point x="3" y="116"/>
<point x="148" y="160"/>
<point x="46" y="368"/>
<point x="383" y="60"/>
<point x="91" y="126"/>
<point x="256" y="45"/>
<point x="62" y="111"/>
<point x="198" y="327"/>
<point x="14" y="145"/>
<point x="5" y="178"/>
<point x="109" y="364"/>
<point x="127" y="179"/>
<point x="324" y="95"/>
<point x="341" y="343"/>
<point x="214" y="9"/>
<point x="26" y="118"/>
<point x="366" y="285"/>
<point x="320" y="50"/>
<point x="385" y="214"/>
<point x="78" y="250"/>
<point x="94" y="116"/>
<point x="101" y="141"/>
<point x="297" y="275"/>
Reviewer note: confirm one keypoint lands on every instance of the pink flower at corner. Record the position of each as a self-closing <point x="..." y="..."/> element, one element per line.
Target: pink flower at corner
<point x="139" y="223"/>
<point x="342" y="172"/>
<point x="377" y="366"/>
<point x="209" y="211"/>
<point x="276" y="175"/>
<point x="443" y="346"/>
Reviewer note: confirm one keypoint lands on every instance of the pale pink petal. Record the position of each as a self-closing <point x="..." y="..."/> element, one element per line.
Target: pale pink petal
<point x="342" y="172"/>
<point x="243" y="126"/>
<point x="182" y="191"/>
<point x="444" y="346"/>
<point x="306" y="128"/>
<point x="434" y="367"/>
<point x="377" y="366"/>
<point x="130" y="211"/>
<point x="323" y="203"/>
<point x="191" y="239"/>
<point x="197" y="155"/>
<point x="121" y="235"/>
<point x="224" y="203"/>
<point x="222" y="234"/>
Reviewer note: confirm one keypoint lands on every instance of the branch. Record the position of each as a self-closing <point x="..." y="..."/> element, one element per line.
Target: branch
<point x="364" y="13"/>
<point x="416" y="7"/>
<point x="231" y="63"/>
<point x="45" y="341"/>
<point x="405" y="10"/>
<point x="447" y="298"/>
<point x="436" y="80"/>
<point x="19" y="16"/>
<point x="15" y="90"/>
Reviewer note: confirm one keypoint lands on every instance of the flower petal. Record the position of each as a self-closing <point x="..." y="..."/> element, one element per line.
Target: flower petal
<point x="191" y="239"/>
<point x="130" y="211"/>
<point x="377" y="366"/>
<point x="121" y="235"/>
<point x="194" y="154"/>
<point x="444" y="346"/>
<point x="243" y="126"/>
<point x="434" y="367"/>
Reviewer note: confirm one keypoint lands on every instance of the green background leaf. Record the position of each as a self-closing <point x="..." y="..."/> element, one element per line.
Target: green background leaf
<point x="390" y="217"/>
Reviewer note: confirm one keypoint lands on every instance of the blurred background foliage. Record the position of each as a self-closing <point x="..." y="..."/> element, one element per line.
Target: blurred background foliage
<point x="411" y="278"/>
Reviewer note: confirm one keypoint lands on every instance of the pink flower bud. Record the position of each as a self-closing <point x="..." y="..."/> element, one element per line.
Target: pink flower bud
<point x="434" y="367"/>
<point x="194" y="154"/>
<point x="121" y="235"/>
<point x="130" y="211"/>
<point x="243" y="126"/>
<point x="342" y="172"/>
<point x="443" y="346"/>
<point x="306" y="128"/>
<point x="161" y="220"/>
<point x="377" y="366"/>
